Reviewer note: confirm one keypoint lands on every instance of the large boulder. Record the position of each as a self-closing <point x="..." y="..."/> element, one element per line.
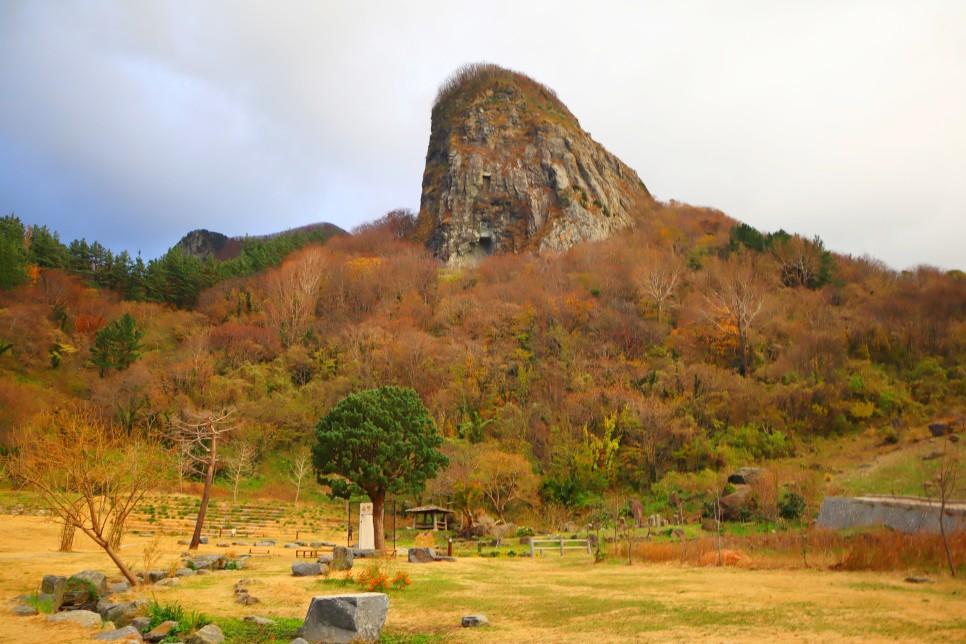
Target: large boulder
<point x="745" y="475"/>
<point x="342" y="558"/>
<point x="739" y="505"/>
<point x="306" y="569"/>
<point x="341" y="619"/>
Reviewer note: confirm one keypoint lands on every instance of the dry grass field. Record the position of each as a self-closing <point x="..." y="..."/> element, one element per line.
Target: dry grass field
<point x="547" y="599"/>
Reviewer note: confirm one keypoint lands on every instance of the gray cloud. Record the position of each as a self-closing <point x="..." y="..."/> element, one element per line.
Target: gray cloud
<point x="132" y="123"/>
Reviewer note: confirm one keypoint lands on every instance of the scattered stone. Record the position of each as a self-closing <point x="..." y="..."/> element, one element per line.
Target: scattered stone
<point x="422" y="555"/>
<point x="203" y="572"/>
<point x="264" y="544"/>
<point x="169" y="582"/>
<point x="118" y="587"/>
<point x="678" y="533"/>
<point x="322" y="544"/>
<point x="160" y="631"/>
<point x="302" y="544"/>
<point x="185" y="572"/>
<point x="141" y="623"/>
<point x="239" y="543"/>
<point x="292" y="545"/>
<point x="128" y="633"/>
<point x="223" y="544"/>
<point x="342" y="558"/>
<point x="203" y="541"/>
<point x="938" y="429"/>
<point x="145" y="534"/>
<point x="261" y="621"/>
<point x="86" y="618"/>
<point x="709" y="525"/>
<point x="210" y="634"/>
<point x="97" y="579"/>
<point x="426" y="555"/>
<point x="474" y="620"/>
<point x="154" y="576"/>
<point x="300" y="569"/>
<point x="325" y="559"/>
<point x="919" y="580"/>
<point x="184" y="542"/>
<point x="23" y="610"/>
<point x="246" y="600"/>
<point x="340" y="619"/>
<point x="362" y="553"/>
<point x="298" y="640"/>
<point x="121" y="614"/>
<point x="54" y="586"/>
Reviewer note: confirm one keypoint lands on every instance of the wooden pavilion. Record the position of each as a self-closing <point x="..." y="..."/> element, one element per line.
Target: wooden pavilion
<point x="430" y="517"/>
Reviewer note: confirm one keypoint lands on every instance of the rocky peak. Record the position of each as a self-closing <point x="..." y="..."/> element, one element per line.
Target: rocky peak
<point x="202" y="243"/>
<point x="509" y="169"/>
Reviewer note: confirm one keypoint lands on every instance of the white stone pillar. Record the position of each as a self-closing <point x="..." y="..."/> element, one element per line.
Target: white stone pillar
<point x="367" y="539"/>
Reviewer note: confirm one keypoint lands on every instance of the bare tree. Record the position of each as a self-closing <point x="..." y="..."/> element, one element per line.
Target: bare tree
<point x="657" y="279"/>
<point x="947" y="477"/>
<point x="89" y="474"/>
<point x="735" y="299"/>
<point x="199" y="438"/>
<point x="240" y="463"/>
<point x="299" y="468"/>
<point x="291" y="295"/>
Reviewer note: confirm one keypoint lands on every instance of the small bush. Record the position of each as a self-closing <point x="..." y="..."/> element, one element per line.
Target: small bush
<point x="791" y="505"/>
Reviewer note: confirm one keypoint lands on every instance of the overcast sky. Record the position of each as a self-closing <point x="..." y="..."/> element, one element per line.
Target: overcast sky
<point x="133" y="122"/>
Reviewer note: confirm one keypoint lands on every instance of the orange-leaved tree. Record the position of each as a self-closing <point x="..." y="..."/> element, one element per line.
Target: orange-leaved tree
<point x="91" y="475"/>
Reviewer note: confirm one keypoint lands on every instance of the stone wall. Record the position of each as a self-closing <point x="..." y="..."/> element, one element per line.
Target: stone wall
<point x="903" y="514"/>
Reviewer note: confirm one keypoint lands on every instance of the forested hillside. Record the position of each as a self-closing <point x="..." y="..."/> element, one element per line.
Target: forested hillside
<point x="688" y="342"/>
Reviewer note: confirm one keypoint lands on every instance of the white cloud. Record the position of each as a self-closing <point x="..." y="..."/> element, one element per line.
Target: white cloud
<point x="135" y="122"/>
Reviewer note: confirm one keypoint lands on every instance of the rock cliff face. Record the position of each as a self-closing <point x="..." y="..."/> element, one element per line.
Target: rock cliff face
<point x="509" y="169"/>
<point x="203" y="243"/>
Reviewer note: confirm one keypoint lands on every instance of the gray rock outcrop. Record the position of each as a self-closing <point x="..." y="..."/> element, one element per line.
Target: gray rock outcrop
<point x="509" y="169"/>
<point x="340" y="619"/>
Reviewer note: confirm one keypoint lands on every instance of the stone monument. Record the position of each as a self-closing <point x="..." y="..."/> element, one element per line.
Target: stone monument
<point x="366" y="533"/>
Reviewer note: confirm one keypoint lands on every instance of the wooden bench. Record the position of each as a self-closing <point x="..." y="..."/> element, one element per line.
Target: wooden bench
<point x="259" y="551"/>
<point x="307" y="553"/>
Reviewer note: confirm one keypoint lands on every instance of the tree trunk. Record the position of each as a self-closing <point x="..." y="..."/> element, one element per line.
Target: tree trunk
<point x="67" y="537"/>
<point x="205" y="495"/>
<point x="378" y="498"/>
<point x="942" y="532"/>
<point x="96" y="538"/>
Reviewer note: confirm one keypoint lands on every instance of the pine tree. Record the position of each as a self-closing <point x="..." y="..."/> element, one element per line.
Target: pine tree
<point x="117" y="345"/>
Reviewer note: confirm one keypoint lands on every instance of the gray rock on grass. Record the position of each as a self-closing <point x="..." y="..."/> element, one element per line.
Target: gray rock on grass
<point x="474" y="620"/>
<point x="210" y="634"/>
<point x="341" y="619"/>
<point x="306" y="569"/>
